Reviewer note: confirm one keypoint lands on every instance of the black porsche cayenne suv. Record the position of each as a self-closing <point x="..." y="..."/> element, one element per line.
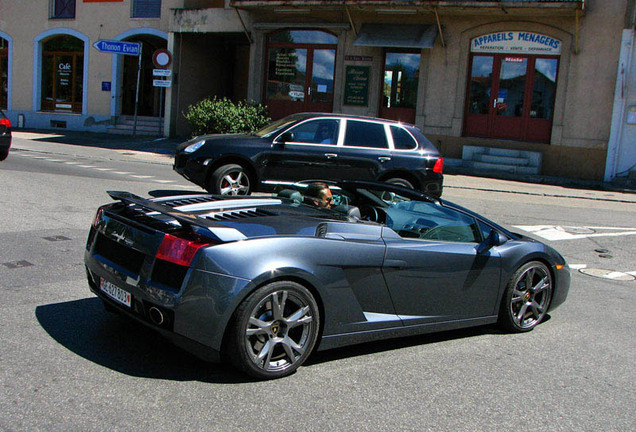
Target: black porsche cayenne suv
<point x="310" y="146"/>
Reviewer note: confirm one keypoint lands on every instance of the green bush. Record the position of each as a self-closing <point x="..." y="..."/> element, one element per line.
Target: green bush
<point x="219" y="116"/>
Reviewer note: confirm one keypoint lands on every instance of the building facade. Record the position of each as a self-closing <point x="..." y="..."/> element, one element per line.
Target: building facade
<point x="532" y="77"/>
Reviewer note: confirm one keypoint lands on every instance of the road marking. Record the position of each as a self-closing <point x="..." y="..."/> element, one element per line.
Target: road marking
<point x="577" y="266"/>
<point x="164" y="181"/>
<point x="87" y="166"/>
<point x="122" y="172"/>
<point x="556" y="233"/>
<point x="608" y="274"/>
<point x="142" y="176"/>
<point x="104" y="169"/>
<point x="72" y="163"/>
<point x="55" y="160"/>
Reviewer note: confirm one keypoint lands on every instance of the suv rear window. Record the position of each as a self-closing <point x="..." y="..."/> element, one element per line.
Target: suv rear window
<point x="365" y="134"/>
<point x="402" y="140"/>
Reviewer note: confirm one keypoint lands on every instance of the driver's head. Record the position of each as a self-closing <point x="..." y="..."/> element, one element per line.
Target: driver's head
<point x="320" y="194"/>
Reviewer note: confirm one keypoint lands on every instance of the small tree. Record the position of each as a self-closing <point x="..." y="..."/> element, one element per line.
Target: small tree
<point x="219" y="116"/>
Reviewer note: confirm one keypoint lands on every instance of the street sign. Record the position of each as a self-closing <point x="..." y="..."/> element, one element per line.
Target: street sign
<point x="161" y="72"/>
<point x="117" y="47"/>
<point x="162" y="83"/>
<point x="162" y="58"/>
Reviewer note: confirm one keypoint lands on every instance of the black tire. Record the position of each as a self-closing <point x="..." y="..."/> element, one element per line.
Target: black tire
<point x="3" y="155"/>
<point x="527" y="297"/>
<point x="398" y="181"/>
<point x="274" y="330"/>
<point x="230" y="179"/>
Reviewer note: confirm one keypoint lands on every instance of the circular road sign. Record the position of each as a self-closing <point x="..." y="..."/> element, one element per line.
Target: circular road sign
<point x="162" y="58"/>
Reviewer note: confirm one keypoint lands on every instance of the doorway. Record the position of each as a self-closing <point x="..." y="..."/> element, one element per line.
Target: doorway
<point x="149" y="96"/>
<point x="511" y="96"/>
<point x="399" y="85"/>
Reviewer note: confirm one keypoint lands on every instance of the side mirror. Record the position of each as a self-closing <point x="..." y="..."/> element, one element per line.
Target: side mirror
<point x="287" y="137"/>
<point x="493" y="239"/>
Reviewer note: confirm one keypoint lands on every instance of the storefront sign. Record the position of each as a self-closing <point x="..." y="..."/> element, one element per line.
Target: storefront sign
<point x="286" y="64"/>
<point x="356" y="58"/>
<point x="518" y="42"/>
<point x="357" y="85"/>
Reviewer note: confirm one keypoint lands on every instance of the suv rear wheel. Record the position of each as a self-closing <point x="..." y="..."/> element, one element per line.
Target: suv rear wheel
<point x="229" y="179"/>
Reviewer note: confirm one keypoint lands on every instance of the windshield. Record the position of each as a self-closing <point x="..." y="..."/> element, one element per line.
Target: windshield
<point x="277" y="125"/>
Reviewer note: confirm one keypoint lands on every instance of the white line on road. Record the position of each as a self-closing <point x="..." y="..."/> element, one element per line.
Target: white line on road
<point x="164" y="181"/>
<point x="142" y="176"/>
<point x="556" y="233"/>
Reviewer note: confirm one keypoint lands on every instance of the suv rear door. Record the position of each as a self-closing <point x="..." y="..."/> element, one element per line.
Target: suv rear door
<point x="365" y="151"/>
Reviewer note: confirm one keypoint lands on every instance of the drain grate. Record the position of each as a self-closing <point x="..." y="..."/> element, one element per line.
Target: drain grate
<point x="607" y="274"/>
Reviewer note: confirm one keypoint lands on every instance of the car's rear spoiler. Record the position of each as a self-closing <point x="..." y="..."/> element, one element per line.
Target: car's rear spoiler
<point x="201" y="226"/>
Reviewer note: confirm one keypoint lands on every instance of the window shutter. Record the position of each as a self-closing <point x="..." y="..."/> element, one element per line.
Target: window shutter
<point x="64" y="9"/>
<point x="146" y="9"/>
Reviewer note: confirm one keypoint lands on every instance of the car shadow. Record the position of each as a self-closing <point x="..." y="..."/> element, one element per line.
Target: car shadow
<point x="404" y="342"/>
<point x="118" y="343"/>
<point x="123" y="345"/>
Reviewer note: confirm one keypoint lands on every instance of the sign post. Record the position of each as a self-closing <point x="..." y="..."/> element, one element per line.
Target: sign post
<point x="162" y="60"/>
<point x="125" y="48"/>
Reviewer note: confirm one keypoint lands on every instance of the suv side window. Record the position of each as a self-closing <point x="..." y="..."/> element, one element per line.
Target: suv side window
<point x="365" y="134"/>
<point x="319" y="131"/>
<point x="402" y="140"/>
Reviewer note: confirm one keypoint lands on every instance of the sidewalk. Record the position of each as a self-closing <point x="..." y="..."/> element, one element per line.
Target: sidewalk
<point x="161" y="151"/>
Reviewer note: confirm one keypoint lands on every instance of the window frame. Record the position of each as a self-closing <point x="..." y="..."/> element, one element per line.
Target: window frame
<point x="53" y="7"/>
<point x="134" y="4"/>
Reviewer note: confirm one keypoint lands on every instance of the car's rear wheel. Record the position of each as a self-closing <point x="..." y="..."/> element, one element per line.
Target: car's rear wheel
<point x="3" y="155"/>
<point x="274" y="330"/>
<point x="526" y="298"/>
<point x="398" y="181"/>
<point x="230" y="179"/>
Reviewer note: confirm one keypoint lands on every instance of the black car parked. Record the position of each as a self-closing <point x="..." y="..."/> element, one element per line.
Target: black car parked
<point x="313" y="146"/>
<point x="5" y="136"/>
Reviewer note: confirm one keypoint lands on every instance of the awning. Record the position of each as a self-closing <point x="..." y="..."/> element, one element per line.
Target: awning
<point x="397" y="35"/>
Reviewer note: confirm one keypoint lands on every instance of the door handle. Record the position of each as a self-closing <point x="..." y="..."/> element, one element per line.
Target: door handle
<point x="400" y="264"/>
<point x="384" y="158"/>
<point x="331" y="155"/>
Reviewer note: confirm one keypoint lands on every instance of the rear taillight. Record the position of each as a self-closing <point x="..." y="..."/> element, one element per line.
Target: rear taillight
<point x="439" y="166"/>
<point x="178" y="250"/>
<point x="98" y="216"/>
<point x="5" y="122"/>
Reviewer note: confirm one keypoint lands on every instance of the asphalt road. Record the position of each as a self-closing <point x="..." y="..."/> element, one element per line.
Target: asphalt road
<point x="66" y="364"/>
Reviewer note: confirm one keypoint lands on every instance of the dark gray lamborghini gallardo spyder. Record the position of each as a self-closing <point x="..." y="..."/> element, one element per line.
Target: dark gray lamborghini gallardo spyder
<point x="264" y="281"/>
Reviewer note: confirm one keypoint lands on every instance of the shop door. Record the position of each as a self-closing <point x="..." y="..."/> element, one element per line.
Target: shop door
<point x="300" y="73"/>
<point x="399" y="86"/>
<point x="511" y="97"/>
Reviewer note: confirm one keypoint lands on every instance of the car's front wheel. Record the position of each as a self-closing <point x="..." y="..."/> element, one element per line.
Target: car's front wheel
<point x="274" y="330"/>
<point x="3" y="155"/>
<point x="230" y="179"/>
<point x="526" y="298"/>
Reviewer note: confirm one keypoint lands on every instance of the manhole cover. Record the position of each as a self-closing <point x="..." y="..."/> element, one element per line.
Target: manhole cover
<point x="607" y="274"/>
<point x="576" y="230"/>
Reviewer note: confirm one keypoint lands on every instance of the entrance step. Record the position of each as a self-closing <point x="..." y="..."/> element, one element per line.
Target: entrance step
<point x="147" y="126"/>
<point x="501" y="160"/>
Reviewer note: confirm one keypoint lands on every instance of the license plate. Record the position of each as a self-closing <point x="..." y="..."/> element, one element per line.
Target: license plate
<point x="114" y="292"/>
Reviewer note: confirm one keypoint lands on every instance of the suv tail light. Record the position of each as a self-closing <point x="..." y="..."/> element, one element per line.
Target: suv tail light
<point x="5" y="122"/>
<point x="439" y="166"/>
<point x="178" y="250"/>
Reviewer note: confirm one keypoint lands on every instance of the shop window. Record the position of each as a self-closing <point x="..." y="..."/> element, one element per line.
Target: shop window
<point x="62" y="74"/>
<point x="300" y="71"/>
<point x="63" y="9"/>
<point x="4" y="73"/>
<point x="146" y="9"/>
